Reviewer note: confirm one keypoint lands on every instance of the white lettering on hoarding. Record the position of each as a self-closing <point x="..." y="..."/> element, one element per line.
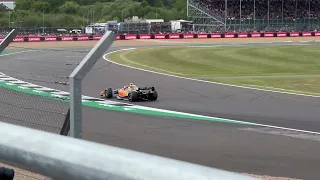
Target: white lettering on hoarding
<point x="256" y="35"/>
<point x="229" y="35"/>
<point x="215" y="35"/>
<point x="50" y="38"/>
<point x="160" y="37"/>
<point x="242" y="35"/>
<point x="145" y="36"/>
<point x="202" y="35"/>
<point x="131" y="37"/>
<point x="281" y="34"/>
<point x="67" y="38"/>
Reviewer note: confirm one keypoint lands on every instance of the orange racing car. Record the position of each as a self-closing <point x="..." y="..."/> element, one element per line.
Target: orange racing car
<point x="132" y="93"/>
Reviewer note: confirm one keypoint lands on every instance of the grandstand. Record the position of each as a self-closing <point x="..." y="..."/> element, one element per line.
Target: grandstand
<point x="254" y="15"/>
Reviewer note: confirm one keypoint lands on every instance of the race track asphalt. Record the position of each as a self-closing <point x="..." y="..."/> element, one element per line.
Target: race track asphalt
<point x="232" y="147"/>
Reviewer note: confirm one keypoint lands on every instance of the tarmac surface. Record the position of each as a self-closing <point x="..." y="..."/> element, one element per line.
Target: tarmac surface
<point x="245" y="149"/>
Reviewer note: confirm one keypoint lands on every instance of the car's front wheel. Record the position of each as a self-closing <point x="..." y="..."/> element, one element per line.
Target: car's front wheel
<point x="108" y="93"/>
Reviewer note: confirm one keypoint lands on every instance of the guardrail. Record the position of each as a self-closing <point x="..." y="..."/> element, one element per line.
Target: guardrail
<point x="66" y="158"/>
<point x="164" y="36"/>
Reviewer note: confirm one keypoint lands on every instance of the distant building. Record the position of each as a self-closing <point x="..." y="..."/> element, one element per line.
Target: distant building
<point x="9" y="3"/>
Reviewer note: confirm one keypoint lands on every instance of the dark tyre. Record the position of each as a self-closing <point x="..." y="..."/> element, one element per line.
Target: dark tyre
<point x="133" y="96"/>
<point x="108" y="93"/>
<point x="153" y="96"/>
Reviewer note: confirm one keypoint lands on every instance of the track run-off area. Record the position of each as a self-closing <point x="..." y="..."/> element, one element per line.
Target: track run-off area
<point x="241" y="129"/>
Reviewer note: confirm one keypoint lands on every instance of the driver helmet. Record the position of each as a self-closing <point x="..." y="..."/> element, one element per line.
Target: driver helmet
<point x="131" y="85"/>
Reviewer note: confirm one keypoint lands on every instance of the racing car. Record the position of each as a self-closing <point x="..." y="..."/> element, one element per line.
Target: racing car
<point x="132" y="93"/>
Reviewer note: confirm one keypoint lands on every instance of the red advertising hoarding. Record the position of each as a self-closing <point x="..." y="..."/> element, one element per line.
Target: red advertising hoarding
<point x="202" y="35"/>
<point x="50" y="38"/>
<point x="130" y="36"/>
<point x="66" y="38"/>
<point x="255" y="35"/>
<point x="268" y="34"/>
<point x="145" y="36"/>
<point x="34" y="39"/>
<point x="188" y="36"/>
<point x="242" y="35"/>
<point x="306" y="34"/>
<point x="162" y="36"/>
<point x="18" y="39"/>
<point x="159" y="36"/>
<point x="281" y="34"/>
<point x="294" y="34"/>
<point x="229" y="35"/>
<point x="174" y="36"/>
<point x="215" y="35"/>
<point x="83" y="38"/>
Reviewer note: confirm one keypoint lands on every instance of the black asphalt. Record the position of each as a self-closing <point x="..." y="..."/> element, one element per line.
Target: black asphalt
<point x="226" y="146"/>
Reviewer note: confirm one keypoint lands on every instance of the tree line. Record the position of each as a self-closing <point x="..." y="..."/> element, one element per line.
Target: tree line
<point x="78" y="13"/>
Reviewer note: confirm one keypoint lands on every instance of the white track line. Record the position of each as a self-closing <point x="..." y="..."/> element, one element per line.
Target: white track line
<point x="199" y="80"/>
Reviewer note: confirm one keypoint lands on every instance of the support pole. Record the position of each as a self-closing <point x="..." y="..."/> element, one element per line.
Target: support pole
<point x="76" y="77"/>
<point x="225" y="15"/>
<point x="8" y="39"/>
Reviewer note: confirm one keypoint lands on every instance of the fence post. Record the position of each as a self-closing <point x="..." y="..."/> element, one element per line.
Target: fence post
<point x="8" y="39"/>
<point x="76" y="77"/>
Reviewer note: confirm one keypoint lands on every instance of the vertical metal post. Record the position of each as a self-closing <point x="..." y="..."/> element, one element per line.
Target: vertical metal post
<point x="225" y="15"/>
<point x="295" y="15"/>
<point x="240" y="1"/>
<point x="8" y="39"/>
<point x="254" y="15"/>
<point x="268" y="13"/>
<point x="76" y="79"/>
<point x="282" y="13"/>
<point x="188" y="9"/>
<point x="309" y="16"/>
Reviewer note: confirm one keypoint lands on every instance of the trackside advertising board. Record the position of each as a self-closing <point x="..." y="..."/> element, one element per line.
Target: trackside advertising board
<point x="165" y="36"/>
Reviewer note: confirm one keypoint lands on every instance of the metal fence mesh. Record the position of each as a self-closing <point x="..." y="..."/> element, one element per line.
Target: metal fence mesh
<point x="29" y="110"/>
<point x="32" y="111"/>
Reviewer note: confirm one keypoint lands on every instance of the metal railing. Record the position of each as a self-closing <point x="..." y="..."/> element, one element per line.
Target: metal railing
<point x="66" y="158"/>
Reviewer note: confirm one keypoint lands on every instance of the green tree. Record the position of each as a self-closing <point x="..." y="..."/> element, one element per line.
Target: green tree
<point x="81" y="12"/>
<point x="69" y="7"/>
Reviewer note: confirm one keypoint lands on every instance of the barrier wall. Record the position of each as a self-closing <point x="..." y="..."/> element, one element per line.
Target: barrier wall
<point x="163" y="36"/>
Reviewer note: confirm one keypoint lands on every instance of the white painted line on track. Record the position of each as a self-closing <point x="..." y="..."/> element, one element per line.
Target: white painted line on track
<point x="199" y="80"/>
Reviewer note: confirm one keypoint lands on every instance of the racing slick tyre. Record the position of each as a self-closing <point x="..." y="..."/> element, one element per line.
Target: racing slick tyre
<point x="153" y="96"/>
<point x="133" y="96"/>
<point x="108" y="93"/>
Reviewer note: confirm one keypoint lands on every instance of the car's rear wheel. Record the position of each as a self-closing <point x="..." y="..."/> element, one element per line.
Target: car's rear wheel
<point x="108" y="93"/>
<point x="133" y="96"/>
<point x="153" y="96"/>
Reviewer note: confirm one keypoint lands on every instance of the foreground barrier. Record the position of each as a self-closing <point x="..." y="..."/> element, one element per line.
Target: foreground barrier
<point x="164" y="36"/>
<point x="66" y="158"/>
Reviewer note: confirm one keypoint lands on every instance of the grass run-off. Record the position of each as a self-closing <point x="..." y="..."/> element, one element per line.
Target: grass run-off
<point x="283" y="68"/>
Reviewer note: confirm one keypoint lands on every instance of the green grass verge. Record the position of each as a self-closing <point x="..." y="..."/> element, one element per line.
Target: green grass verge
<point x="284" y="65"/>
